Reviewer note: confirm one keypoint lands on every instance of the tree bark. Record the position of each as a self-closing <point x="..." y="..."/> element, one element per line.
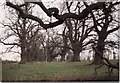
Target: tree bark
<point x="63" y="57"/>
<point x="76" y="57"/>
<point x="77" y="48"/>
<point x="100" y="48"/>
<point x="97" y="59"/>
<point x="23" y="52"/>
<point x="24" y="55"/>
<point x="63" y="53"/>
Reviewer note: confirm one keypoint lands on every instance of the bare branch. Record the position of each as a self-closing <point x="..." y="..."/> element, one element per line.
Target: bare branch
<point x="61" y="18"/>
<point x="9" y="43"/>
<point x="112" y="30"/>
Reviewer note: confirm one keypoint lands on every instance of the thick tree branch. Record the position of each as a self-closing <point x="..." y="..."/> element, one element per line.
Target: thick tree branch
<point x="89" y="42"/>
<point x="61" y="18"/>
<point x="24" y="15"/>
<point x="87" y="32"/>
<point x="94" y="20"/>
<point x="49" y="13"/>
<point x="112" y="30"/>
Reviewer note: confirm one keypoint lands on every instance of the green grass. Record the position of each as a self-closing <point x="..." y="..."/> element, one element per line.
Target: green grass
<point x="53" y="71"/>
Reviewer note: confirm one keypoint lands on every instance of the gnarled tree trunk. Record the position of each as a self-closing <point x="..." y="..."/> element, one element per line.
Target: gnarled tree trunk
<point x="100" y="48"/>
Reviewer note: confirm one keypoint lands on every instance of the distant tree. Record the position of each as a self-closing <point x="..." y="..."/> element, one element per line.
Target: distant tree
<point x="77" y="32"/>
<point x="113" y="45"/>
<point x="25" y="31"/>
<point x="65" y="47"/>
<point x="52" y="44"/>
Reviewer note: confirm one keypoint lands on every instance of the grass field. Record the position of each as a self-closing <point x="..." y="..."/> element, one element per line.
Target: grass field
<point x="55" y="71"/>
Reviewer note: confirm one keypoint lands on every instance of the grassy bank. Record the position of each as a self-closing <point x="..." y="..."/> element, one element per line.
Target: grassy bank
<point x="55" y="71"/>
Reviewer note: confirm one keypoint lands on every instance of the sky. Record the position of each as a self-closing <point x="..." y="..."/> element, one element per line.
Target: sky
<point x="13" y="56"/>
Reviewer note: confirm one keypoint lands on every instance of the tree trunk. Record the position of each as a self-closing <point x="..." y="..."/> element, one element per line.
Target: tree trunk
<point x="49" y="57"/>
<point x="24" y="57"/>
<point x="63" y="58"/>
<point x="97" y="59"/>
<point x="63" y="53"/>
<point x="99" y="52"/>
<point x="23" y="54"/>
<point x="76" y="57"/>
